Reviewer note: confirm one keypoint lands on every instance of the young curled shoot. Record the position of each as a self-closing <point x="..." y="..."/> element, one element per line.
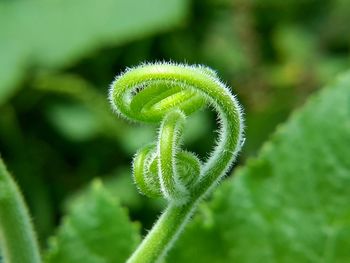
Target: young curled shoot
<point x="167" y="93"/>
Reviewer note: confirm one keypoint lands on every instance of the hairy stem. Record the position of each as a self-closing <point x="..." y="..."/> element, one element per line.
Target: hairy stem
<point x="18" y="240"/>
<point x="158" y="241"/>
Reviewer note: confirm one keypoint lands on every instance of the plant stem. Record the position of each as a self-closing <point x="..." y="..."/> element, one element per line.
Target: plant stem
<point x="18" y="240"/>
<point x="157" y="242"/>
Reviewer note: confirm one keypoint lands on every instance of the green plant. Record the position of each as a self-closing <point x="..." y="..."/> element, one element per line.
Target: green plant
<point x="290" y="204"/>
<point x="160" y="92"/>
<point x="18" y="239"/>
<point x="167" y="93"/>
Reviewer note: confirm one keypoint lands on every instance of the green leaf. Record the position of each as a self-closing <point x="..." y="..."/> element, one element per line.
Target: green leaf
<point x="75" y="121"/>
<point x="57" y="33"/>
<point x="96" y="230"/>
<point x="291" y="204"/>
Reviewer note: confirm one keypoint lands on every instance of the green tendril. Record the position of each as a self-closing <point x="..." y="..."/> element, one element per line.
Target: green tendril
<point x="167" y="93"/>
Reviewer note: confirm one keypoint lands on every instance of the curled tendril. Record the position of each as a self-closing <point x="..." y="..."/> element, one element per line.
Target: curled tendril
<point x="178" y="168"/>
<point x="167" y="93"/>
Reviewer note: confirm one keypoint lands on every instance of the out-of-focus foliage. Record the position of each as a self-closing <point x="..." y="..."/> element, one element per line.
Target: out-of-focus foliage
<point x="57" y="59"/>
<point x="291" y="204"/>
<point x="57" y="33"/>
<point x="96" y="230"/>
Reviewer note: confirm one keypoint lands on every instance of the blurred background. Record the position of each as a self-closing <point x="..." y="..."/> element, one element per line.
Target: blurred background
<point x="57" y="59"/>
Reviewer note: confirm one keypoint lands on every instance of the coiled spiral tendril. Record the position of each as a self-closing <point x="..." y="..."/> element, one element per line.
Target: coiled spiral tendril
<point x="167" y="93"/>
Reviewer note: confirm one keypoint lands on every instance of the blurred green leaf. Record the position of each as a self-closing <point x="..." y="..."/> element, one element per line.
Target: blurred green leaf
<point x="122" y="186"/>
<point x="119" y="184"/>
<point x="57" y="33"/>
<point x="74" y="121"/>
<point x="295" y="43"/>
<point x="92" y="103"/>
<point x="222" y="47"/>
<point x="91" y="115"/>
<point x="96" y="230"/>
<point x="291" y="204"/>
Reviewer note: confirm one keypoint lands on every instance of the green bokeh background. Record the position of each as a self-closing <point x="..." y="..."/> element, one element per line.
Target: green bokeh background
<point x="57" y="59"/>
